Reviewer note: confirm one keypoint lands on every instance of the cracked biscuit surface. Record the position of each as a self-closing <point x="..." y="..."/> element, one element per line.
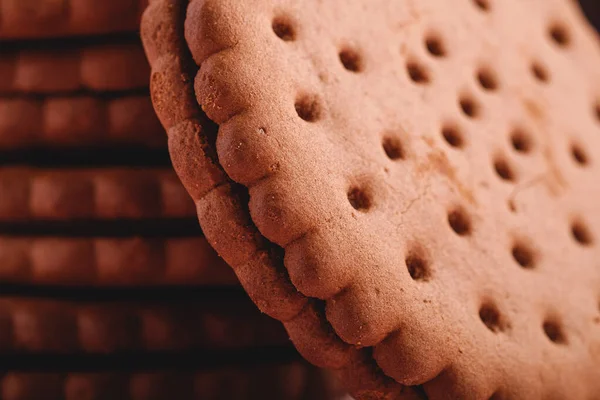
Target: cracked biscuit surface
<point x="411" y="187"/>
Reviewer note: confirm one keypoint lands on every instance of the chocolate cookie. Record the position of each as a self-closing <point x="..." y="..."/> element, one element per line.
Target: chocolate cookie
<point x="68" y="121"/>
<point x="411" y="187"/>
<point x="284" y="381"/>
<point x="30" y="194"/>
<point x="67" y="327"/>
<point x="55" y="18"/>
<point x="112" y="262"/>
<point x="118" y="66"/>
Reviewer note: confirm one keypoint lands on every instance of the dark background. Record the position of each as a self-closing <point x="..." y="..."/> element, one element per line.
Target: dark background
<point x="592" y="9"/>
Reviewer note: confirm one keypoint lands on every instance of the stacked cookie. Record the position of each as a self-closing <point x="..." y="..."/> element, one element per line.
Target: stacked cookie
<point x="108" y="288"/>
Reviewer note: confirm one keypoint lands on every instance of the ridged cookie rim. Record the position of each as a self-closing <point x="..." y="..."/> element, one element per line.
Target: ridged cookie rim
<point x="162" y="35"/>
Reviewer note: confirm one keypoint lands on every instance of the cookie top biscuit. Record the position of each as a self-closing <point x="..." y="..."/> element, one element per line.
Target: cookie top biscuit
<point x="430" y="170"/>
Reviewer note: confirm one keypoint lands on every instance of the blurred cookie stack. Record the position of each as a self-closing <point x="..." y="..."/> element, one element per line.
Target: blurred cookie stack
<point x="107" y="288"/>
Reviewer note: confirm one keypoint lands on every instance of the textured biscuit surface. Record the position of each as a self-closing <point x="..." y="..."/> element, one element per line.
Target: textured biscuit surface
<point x="111" y="262"/>
<point x="430" y="169"/>
<point x="48" y="326"/>
<point x="106" y="67"/>
<point x="55" y="18"/>
<point x="30" y="194"/>
<point x="289" y="381"/>
<point x="63" y="121"/>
